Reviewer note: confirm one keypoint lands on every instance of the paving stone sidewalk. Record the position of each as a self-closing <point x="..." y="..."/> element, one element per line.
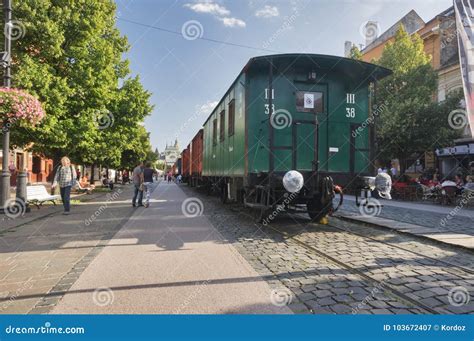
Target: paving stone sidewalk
<point x="445" y="224"/>
<point x="44" y="253"/>
<point x="169" y="259"/>
<point x="45" y="210"/>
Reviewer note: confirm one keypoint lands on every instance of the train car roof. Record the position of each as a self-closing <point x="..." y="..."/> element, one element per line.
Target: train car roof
<point x="353" y="68"/>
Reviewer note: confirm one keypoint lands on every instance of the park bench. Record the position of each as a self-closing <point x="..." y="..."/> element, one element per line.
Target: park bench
<point x="80" y="189"/>
<point x="38" y="194"/>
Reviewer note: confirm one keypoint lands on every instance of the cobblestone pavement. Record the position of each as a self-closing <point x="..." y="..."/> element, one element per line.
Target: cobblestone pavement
<point x="423" y="276"/>
<point x="315" y="284"/>
<point x="321" y="286"/>
<point x="41" y="259"/>
<point x="445" y="253"/>
<point x="433" y="218"/>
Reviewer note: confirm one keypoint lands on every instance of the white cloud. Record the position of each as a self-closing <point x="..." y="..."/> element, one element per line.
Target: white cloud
<point x="268" y="12"/>
<point x="218" y="11"/>
<point x="208" y="7"/>
<point x="206" y="108"/>
<point x="233" y="22"/>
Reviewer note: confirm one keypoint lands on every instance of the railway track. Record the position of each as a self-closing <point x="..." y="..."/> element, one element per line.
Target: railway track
<point x="453" y="271"/>
<point x="395" y="292"/>
<point x="436" y="260"/>
<point x="419" y="275"/>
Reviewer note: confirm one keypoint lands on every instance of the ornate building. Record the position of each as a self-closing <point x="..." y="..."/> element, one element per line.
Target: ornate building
<point x="172" y="154"/>
<point x="440" y="41"/>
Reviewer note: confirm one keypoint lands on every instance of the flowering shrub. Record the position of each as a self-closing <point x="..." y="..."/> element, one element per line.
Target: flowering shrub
<point x="17" y="105"/>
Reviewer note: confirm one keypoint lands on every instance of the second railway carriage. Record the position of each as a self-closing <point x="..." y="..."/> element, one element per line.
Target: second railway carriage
<point x="196" y="158"/>
<point x="305" y="113"/>
<point x="186" y="164"/>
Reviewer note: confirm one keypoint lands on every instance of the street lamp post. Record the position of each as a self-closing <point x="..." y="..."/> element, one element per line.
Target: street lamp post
<point x="5" y="184"/>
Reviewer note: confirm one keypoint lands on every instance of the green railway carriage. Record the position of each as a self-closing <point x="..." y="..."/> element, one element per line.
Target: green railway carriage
<point x="302" y="112"/>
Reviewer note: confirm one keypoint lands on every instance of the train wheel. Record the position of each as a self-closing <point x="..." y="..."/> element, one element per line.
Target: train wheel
<point x="208" y="188"/>
<point x="261" y="215"/>
<point x="224" y="193"/>
<point x="316" y="209"/>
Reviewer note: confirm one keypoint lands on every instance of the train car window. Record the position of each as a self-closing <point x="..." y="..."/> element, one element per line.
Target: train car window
<point x="307" y="101"/>
<point x="222" y="125"/>
<point x="214" y="132"/>
<point x="231" y="117"/>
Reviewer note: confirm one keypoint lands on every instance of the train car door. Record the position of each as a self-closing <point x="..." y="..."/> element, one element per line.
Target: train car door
<point x="359" y="158"/>
<point x="304" y="144"/>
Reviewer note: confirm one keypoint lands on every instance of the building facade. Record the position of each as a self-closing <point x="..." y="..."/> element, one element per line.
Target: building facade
<point x="440" y="41"/>
<point x="39" y="169"/>
<point x="172" y="154"/>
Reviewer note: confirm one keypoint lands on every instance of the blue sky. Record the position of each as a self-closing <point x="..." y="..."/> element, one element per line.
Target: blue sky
<point x="187" y="76"/>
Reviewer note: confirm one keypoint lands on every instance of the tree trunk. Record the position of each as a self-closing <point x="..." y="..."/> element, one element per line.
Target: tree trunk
<point x="56" y="163"/>
<point x="403" y="165"/>
<point x="92" y="174"/>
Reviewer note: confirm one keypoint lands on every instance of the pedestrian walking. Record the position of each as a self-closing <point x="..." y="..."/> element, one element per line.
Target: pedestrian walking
<point x="78" y="172"/>
<point x="137" y="178"/>
<point x="66" y="178"/>
<point x="169" y="177"/>
<point x="148" y="174"/>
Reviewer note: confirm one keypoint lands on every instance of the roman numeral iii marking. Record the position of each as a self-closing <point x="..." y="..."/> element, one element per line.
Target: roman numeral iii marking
<point x="350" y="98"/>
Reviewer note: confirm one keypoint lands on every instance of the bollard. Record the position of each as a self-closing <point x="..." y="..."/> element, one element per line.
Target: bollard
<point x="21" y="190"/>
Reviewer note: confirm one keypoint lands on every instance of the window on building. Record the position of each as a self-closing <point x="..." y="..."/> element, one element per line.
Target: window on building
<point x="231" y="117"/>
<point x="222" y="125"/>
<point x="214" y="132"/>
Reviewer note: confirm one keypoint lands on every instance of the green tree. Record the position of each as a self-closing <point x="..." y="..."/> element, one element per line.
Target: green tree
<point x="412" y="121"/>
<point x="71" y="57"/>
<point x="128" y="110"/>
<point x="355" y="53"/>
<point x="137" y="150"/>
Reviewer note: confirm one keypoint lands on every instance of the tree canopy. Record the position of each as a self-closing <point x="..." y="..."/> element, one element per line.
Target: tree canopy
<point x="71" y="58"/>
<point x="413" y="121"/>
<point x="355" y="53"/>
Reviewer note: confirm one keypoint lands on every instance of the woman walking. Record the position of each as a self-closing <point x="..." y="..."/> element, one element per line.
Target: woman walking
<point x="66" y="178"/>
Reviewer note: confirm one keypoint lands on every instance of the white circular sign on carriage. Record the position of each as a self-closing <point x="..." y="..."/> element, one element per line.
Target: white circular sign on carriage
<point x="293" y="181"/>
